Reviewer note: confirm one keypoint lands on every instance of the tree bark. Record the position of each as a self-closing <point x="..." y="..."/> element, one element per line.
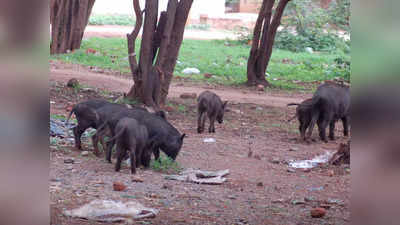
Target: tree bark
<point x="261" y="48"/>
<point x="68" y="20"/>
<point x="154" y="73"/>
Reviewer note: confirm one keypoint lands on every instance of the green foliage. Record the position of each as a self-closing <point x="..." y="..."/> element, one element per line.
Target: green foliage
<point x="317" y="40"/>
<point x="339" y="14"/>
<point x="227" y="63"/>
<point x="111" y="20"/>
<point x="165" y="165"/>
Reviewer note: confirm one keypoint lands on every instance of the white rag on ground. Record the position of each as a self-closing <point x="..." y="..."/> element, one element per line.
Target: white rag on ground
<point x="111" y="211"/>
<point x="200" y="176"/>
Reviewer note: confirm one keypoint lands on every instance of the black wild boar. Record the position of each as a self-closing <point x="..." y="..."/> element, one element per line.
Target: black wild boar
<point x="130" y="137"/>
<point x="330" y="103"/>
<point x="303" y="114"/>
<point x="161" y="133"/>
<point x="86" y="116"/>
<point x="208" y="102"/>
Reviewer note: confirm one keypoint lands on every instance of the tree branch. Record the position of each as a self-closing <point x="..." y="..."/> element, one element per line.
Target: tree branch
<point x="132" y="40"/>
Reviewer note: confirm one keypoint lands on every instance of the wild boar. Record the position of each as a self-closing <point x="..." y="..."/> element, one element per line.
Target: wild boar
<point x="210" y="103"/>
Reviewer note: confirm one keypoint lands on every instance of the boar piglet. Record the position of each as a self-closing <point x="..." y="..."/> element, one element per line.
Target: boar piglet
<point x="303" y="114"/>
<point x="330" y="103"/>
<point x="130" y="137"/>
<point x="161" y="133"/>
<point x="209" y="104"/>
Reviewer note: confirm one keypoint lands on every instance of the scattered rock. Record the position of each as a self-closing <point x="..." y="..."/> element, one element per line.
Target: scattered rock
<point x="69" y="161"/>
<point x="167" y="186"/>
<point x="118" y="186"/>
<point x="208" y="75"/>
<point x="169" y="108"/>
<point x="188" y="96"/>
<point x="293" y="149"/>
<point x="290" y="170"/>
<point x="209" y="140"/>
<point x="137" y="180"/>
<point x="232" y="196"/>
<point x="318" y="212"/>
<point x="84" y="153"/>
<point x="309" y="50"/>
<point x="73" y="82"/>
<point x="331" y="173"/>
<point x="260" y="184"/>
<point x="259" y="108"/>
<point x="275" y="161"/>
<point x="309" y="199"/>
<point x="260" y="87"/>
<point x="188" y="71"/>
<point x="298" y="202"/>
<point x="90" y="51"/>
<point x="257" y="157"/>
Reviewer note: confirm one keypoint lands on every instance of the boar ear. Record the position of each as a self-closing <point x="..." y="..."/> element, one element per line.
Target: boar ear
<point x="183" y="135"/>
<point x="224" y="105"/>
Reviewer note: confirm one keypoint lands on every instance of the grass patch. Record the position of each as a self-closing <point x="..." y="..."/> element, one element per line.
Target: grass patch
<point x="106" y="19"/>
<point x="228" y="64"/>
<point x="165" y="165"/>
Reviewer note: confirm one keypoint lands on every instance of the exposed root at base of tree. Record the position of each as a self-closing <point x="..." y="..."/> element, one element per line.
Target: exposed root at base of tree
<point x="342" y="156"/>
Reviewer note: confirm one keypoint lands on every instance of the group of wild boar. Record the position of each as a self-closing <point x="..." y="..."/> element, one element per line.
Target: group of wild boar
<point x="138" y="133"/>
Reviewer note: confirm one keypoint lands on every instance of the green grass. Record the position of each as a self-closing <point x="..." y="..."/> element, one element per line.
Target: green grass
<point x="227" y="63"/>
<point x="111" y="20"/>
<point x="165" y="165"/>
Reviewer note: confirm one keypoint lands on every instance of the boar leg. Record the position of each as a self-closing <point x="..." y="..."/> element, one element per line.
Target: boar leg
<point x="95" y="141"/>
<point x="78" y="131"/>
<point x="121" y="151"/>
<point x="200" y="122"/>
<point x="332" y="130"/>
<point x="211" y="129"/>
<point x="345" y="122"/>
<point x="133" y="161"/>
<point x="322" y="129"/>
<point x="110" y="145"/>
<point x="303" y="129"/>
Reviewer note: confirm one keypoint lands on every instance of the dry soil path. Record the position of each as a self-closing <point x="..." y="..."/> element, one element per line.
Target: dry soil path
<point x="119" y="84"/>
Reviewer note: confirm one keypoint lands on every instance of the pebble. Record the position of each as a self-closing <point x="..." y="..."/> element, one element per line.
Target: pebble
<point x="118" y="186"/>
<point x="69" y="161"/>
<point x="275" y="161"/>
<point x="260" y="184"/>
<point x="84" y="153"/>
<point x="167" y="186"/>
<point x="290" y="170"/>
<point x="318" y="212"/>
<point x="293" y="149"/>
<point x="260" y="87"/>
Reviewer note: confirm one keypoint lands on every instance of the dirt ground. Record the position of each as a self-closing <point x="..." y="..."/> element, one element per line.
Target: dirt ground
<point x="260" y="189"/>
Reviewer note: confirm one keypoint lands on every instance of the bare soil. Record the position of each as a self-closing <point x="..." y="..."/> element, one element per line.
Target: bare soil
<point x="257" y="191"/>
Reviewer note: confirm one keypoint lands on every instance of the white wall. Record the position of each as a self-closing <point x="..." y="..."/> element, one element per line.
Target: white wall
<point x="213" y="8"/>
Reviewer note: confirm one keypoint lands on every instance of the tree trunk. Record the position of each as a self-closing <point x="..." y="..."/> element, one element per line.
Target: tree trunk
<point x="68" y="20"/>
<point x="153" y="74"/>
<point x="261" y="48"/>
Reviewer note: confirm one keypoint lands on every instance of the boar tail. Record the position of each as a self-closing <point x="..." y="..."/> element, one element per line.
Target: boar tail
<point x="69" y="116"/>
<point x="117" y="135"/>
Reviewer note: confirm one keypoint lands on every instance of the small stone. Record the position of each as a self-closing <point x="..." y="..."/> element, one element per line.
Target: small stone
<point x="259" y="108"/>
<point x="275" y="161"/>
<point x="167" y="186"/>
<point x="169" y="108"/>
<point x="188" y="96"/>
<point x="232" y="197"/>
<point x="188" y="71"/>
<point x="73" y="82"/>
<point x="69" y="161"/>
<point x="331" y="173"/>
<point x="290" y="170"/>
<point x="318" y="212"/>
<point x="208" y="75"/>
<point x="260" y="87"/>
<point x="293" y="149"/>
<point x="309" y="199"/>
<point x="257" y="157"/>
<point x="118" y="186"/>
<point x="137" y="180"/>
<point x="84" y="153"/>
<point x="298" y="202"/>
<point x="260" y="184"/>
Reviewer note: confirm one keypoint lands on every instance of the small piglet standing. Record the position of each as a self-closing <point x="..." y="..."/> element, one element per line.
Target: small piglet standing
<point x="210" y="103"/>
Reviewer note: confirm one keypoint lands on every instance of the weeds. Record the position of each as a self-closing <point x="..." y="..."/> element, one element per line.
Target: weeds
<point x="165" y="165"/>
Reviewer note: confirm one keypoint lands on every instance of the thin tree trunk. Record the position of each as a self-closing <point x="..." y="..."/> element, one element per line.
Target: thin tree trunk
<point x="261" y="50"/>
<point x="151" y="78"/>
<point x="68" y="20"/>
